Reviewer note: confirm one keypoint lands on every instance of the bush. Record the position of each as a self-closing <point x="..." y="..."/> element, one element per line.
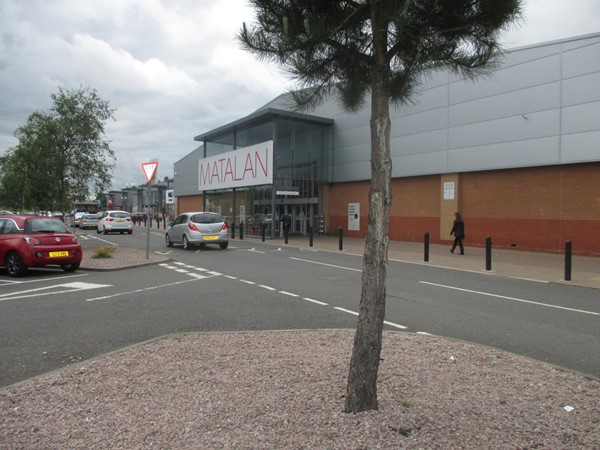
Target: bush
<point x="104" y="251"/>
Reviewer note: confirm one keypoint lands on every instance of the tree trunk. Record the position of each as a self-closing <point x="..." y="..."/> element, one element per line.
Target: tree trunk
<point x="361" y="394"/>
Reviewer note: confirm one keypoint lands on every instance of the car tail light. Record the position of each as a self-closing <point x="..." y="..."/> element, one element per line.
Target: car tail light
<point x="109" y="219"/>
<point x="129" y="219"/>
<point x="75" y="240"/>
<point x="193" y="227"/>
<point x="224" y="227"/>
<point x="32" y="241"/>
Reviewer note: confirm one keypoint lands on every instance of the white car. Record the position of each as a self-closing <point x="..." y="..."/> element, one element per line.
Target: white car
<point x="115" y="222"/>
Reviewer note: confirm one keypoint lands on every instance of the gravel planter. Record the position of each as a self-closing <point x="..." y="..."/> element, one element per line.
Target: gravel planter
<point x="286" y="390"/>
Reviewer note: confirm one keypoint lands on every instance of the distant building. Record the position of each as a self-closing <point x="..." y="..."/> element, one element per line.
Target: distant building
<point x="517" y="153"/>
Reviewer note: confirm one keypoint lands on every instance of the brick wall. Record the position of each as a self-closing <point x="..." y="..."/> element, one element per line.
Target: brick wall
<point x="531" y="208"/>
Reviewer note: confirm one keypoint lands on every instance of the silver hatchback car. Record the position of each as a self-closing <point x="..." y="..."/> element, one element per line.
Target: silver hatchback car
<point x="197" y="228"/>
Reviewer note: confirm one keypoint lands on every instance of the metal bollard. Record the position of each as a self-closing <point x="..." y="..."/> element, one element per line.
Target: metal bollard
<point x="310" y="235"/>
<point x="263" y="231"/>
<point x="426" y="247"/>
<point x="233" y="230"/>
<point x="488" y="253"/>
<point x="341" y="238"/>
<point x="242" y="230"/>
<point x="568" y="260"/>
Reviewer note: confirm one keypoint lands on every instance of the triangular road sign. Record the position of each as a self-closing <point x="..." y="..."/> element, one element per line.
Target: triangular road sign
<point x="149" y="170"/>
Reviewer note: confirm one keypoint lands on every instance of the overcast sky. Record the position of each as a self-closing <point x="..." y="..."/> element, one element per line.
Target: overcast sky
<point x="171" y="68"/>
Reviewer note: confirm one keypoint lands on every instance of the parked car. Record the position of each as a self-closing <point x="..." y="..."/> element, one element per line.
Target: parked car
<point x="89" y="221"/>
<point x="115" y="222"/>
<point x="35" y="241"/>
<point x="75" y="218"/>
<point x="197" y="228"/>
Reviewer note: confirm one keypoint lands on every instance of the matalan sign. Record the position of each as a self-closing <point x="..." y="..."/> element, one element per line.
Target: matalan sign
<point x="248" y="166"/>
<point x="149" y="170"/>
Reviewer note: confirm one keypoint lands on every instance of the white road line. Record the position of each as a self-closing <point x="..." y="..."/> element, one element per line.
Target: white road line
<point x="150" y="288"/>
<point x="395" y="325"/>
<point x="267" y="287"/>
<point x="345" y="310"/>
<point x="514" y="299"/>
<point x="325" y="264"/>
<point x="247" y="281"/>
<point x="289" y="293"/>
<point x="315" y="301"/>
<point x="45" y="291"/>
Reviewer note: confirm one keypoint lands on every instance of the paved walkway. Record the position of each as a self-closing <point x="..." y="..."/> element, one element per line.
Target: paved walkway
<point x="546" y="267"/>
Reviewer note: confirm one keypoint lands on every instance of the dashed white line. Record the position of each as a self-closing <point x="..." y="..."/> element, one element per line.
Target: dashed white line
<point x="514" y="299"/>
<point x="315" y="301"/>
<point x="267" y="287"/>
<point x="289" y="293"/>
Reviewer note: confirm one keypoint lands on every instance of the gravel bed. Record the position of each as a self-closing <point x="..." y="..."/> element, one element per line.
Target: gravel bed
<point x="285" y="389"/>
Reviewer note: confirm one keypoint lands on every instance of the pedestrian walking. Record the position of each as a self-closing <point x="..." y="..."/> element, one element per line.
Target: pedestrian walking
<point x="458" y="230"/>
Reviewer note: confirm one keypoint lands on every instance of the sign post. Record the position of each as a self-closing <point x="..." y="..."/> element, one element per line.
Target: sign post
<point x="149" y="170"/>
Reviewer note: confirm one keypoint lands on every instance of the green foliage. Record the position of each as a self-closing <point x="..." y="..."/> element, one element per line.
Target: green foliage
<point x="104" y="251"/>
<point x="61" y="156"/>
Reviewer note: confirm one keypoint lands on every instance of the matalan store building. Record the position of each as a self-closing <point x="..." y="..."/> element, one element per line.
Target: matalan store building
<point x="517" y="153"/>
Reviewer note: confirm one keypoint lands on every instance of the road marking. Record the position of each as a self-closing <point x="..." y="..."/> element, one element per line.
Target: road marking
<point x="267" y="287"/>
<point x="514" y="299"/>
<point x="186" y="268"/>
<point x="289" y="293"/>
<point x="150" y="288"/>
<point x="325" y="264"/>
<point x="44" y="291"/>
<point x="315" y="301"/>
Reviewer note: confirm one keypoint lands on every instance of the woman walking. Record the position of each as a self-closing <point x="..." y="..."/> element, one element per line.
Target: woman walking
<point x="458" y="230"/>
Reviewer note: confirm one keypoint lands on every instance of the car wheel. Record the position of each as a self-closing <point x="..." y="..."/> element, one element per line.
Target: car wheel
<point x="70" y="267"/>
<point x="168" y="241"/>
<point x="15" y="266"/>
<point x="224" y="245"/>
<point x="185" y="243"/>
<point x="105" y="231"/>
<point x="98" y="230"/>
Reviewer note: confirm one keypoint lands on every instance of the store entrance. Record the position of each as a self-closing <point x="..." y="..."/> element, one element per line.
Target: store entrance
<point x="301" y="215"/>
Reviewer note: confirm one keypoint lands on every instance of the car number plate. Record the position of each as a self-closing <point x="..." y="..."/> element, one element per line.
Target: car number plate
<point x="210" y="238"/>
<point x="58" y="254"/>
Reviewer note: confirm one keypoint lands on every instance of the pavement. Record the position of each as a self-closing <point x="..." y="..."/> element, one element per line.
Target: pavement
<point x="511" y="263"/>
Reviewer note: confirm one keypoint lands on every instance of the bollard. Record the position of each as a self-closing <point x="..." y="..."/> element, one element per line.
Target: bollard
<point x="341" y="234"/>
<point x="568" y="260"/>
<point x="233" y="230"/>
<point x="263" y="231"/>
<point x="310" y="235"/>
<point x="242" y="230"/>
<point x="426" y="248"/>
<point x="488" y="253"/>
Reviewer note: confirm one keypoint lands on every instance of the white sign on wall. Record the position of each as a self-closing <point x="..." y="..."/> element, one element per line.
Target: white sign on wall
<point x="449" y="190"/>
<point x="248" y="166"/>
<point x="354" y="216"/>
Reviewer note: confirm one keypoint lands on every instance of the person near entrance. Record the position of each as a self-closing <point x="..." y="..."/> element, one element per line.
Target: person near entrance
<point x="458" y="230"/>
<point x="286" y="221"/>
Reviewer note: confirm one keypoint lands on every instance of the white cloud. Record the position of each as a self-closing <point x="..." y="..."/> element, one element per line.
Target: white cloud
<point x="172" y="68"/>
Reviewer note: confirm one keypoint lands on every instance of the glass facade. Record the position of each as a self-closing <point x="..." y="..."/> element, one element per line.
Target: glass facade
<point x="302" y="163"/>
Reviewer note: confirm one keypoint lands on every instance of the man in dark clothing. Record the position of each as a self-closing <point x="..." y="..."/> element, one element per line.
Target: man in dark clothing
<point x="458" y="230"/>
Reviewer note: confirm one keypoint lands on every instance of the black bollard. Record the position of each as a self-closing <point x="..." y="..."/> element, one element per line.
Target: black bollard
<point x="263" y="231"/>
<point x="341" y="238"/>
<point x="488" y="253"/>
<point x="233" y="230"/>
<point x="242" y="230"/>
<point x="568" y="260"/>
<point x="310" y="235"/>
<point x="426" y="247"/>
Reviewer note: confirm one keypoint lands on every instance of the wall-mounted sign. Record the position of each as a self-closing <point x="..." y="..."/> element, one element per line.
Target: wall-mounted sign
<point x="169" y="196"/>
<point x="354" y="216"/>
<point x="449" y="190"/>
<point x="248" y="166"/>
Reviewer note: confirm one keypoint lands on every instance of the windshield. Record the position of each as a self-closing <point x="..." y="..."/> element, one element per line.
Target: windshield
<point x="206" y="218"/>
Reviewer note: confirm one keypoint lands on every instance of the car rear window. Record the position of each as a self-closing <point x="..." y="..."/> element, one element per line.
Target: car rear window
<point x="207" y="218"/>
<point x="119" y="215"/>
<point x="45" y="226"/>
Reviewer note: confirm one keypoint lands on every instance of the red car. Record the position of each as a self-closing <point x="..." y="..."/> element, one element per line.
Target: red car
<point x="35" y="241"/>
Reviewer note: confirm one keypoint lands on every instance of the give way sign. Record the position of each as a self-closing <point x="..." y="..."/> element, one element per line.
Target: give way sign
<point x="149" y="170"/>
